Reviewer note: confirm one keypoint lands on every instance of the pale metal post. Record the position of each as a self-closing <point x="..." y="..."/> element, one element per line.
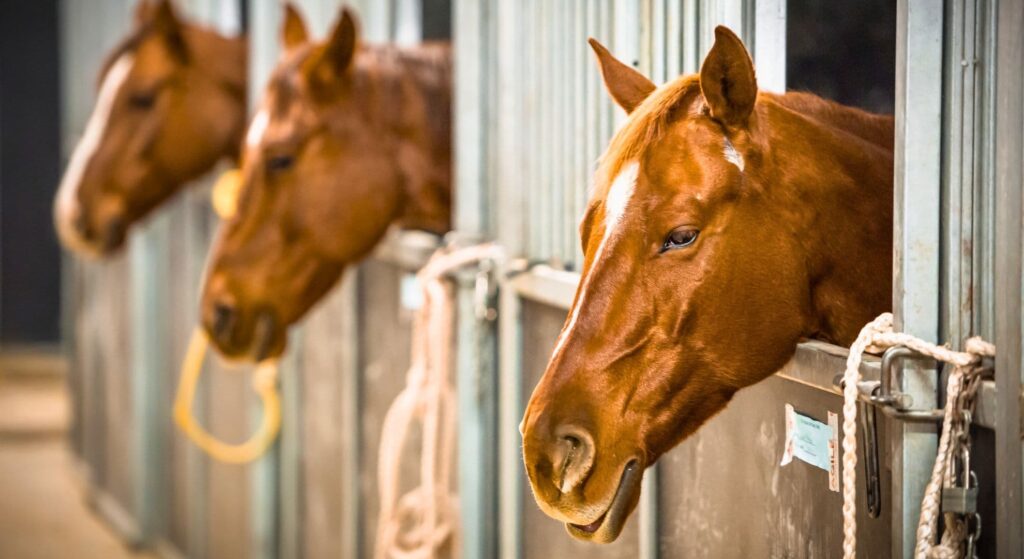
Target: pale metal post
<point x="916" y="235"/>
<point x="474" y="370"/>
<point x="1009" y="175"/>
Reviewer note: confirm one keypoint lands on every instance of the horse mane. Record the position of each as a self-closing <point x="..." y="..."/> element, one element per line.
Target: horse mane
<point x="425" y="68"/>
<point x="645" y="126"/>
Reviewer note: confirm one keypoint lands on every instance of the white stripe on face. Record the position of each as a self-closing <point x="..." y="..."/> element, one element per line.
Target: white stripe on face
<point x="257" y="129"/>
<point x="733" y="156"/>
<point x="67" y="203"/>
<point x="615" y="205"/>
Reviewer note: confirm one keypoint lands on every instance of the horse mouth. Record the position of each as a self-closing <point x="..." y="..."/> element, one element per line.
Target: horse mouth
<point x="608" y="526"/>
<point x="262" y="339"/>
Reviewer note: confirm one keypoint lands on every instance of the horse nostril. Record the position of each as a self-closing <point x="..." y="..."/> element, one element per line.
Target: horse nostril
<point x="571" y="457"/>
<point x="115" y="232"/>
<point x="224" y="316"/>
<point x="80" y="224"/>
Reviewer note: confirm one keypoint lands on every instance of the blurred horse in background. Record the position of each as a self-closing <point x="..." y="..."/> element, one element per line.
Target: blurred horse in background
<point x="171" y="103"/>
<point x="348" y="140"/>
<point x="726" y="224"/>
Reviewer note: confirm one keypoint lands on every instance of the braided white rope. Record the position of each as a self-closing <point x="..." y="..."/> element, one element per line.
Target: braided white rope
<point x="424" y="523"/>
<point x="878" y="335"/>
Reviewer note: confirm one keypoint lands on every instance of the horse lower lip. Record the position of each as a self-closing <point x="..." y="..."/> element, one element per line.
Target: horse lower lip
<point x="263" y="336"/>
<point x="592" y="527"/>
<point x="614" y="511"/>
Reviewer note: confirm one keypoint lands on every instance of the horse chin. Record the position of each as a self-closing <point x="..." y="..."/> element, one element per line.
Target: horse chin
<point x="608" y="526"/>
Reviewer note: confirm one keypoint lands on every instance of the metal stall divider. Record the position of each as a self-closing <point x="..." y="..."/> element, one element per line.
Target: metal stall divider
<point x="1009" y="207"/>
<point x="100" y="359"/>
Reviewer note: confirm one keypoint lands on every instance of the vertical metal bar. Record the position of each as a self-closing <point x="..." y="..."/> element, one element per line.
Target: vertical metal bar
<point x="470" y="113"/>
<point x="511" y="388"/>
<point x="691" y="47"/>
<point x="581" y="131"/>
<point x="475" y="386"/>
<point x="1009" y="174"/>
<point x="148" y="255"/>
<point x="985" y="222"/>
<point x="351" y="395"/>
<point x="917" y="242"/>
<point x="289" y="453"/>
<point x="673" y="38"/>
<point x="407" y="22"/>
<point x="770" y="46"/>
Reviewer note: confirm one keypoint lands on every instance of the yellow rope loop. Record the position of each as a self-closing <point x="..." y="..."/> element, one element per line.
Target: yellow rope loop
<point x="264" y="383"/>
<point x="224" y="196"/>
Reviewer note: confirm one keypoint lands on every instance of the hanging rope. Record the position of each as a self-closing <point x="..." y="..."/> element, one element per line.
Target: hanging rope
<point x="264" y="382"/>
<point x="879" y="335"/>
<point x="423" y="523"/>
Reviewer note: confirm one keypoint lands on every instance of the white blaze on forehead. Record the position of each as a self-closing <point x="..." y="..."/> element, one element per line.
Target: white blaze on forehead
<point x="90" y="142"/>
<point x="615" y="204"/>
<point x="733" y="156"/>
<point x="257" y="128"/>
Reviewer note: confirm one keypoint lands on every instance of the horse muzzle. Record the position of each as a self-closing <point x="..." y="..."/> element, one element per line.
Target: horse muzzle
<point x="252" y="336"/>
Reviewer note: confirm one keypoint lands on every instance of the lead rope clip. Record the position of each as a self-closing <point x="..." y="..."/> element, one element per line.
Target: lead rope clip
<point x="264" y="383"/>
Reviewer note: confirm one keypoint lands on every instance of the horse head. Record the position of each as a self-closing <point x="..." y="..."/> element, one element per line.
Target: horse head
<point x="347" y="140"/>
<point x="725" y="225"/>
<point x="171" y="103"/>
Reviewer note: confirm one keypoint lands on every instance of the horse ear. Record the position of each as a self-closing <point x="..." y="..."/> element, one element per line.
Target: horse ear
<point x="727" y="79"/>
<point x="627" y="87"/>
<point x="293" y="30"/>
<point x="167" y="24"/>
<point x="143" y="11"/>
<point x="335" y="59"/>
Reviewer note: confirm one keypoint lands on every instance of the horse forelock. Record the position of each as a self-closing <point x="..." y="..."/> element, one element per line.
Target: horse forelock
<point x="204" y="39"/>
<point x="644" y="127"/>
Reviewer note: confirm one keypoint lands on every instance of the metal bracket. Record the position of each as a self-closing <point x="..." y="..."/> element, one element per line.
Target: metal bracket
<point x="897" y="405"/>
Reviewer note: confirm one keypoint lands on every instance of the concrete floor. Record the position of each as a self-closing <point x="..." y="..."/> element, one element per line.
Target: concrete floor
<point x="43" y="513"/>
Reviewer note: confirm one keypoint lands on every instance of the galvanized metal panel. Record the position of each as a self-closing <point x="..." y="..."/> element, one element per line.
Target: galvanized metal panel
<point x="1009" y="232"/>
<point x="727" y="495"/>
<point x="917" y="241"/>
<point x="386" y="334"/>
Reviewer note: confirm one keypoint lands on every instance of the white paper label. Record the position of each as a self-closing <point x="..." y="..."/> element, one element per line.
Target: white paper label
<point x="813" y="442"/>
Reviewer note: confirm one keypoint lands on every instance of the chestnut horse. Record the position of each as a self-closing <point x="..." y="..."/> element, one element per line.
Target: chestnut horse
<point x="171" y="104"/>
<point x="348" y="140"/>
<point x="726" y="224"/>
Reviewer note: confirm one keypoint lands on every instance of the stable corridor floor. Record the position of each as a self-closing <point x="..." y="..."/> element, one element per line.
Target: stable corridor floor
<point x="43" y="513"/>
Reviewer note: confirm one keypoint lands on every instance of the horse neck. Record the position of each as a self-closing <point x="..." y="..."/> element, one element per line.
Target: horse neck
<point x="224" y="60"/>
<point x="409" y="95"/>
<point x="834" y="168"/>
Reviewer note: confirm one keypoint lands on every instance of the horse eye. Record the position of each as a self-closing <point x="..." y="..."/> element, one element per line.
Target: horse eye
<point x="143" y="101"/>
<point x="280" y="163"/>
<point x="679" y="238"/>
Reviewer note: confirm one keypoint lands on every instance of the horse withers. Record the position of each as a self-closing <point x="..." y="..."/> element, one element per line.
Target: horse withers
<point x="171" y="104"/>
<point x="726" y="225"/>
<point x="348" y="140"/>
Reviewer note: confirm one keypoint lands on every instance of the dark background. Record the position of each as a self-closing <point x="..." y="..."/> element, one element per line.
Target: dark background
<point x="30" y="167"/>
<point x="844" y="51"/>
